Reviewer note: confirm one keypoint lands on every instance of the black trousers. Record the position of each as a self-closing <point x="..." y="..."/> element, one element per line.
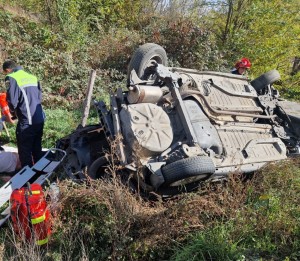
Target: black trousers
<point x="29" y="142"/>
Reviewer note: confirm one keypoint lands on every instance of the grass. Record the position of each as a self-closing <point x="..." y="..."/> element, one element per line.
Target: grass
<point x="59" y="123"/>
<point x="266" y="226"/>
<point x="210" y="244"/>
<point x="257" y="219"/>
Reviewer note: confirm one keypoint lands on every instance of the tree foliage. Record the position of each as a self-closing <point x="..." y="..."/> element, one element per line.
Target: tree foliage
<point x="265" y="31"/>
<point x="67" y="37"/>
<point x="271" y="38"/>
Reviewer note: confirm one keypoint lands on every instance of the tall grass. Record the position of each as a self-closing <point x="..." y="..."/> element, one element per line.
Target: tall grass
<point x="265" y="227"/>
<point x="257" y="219"/>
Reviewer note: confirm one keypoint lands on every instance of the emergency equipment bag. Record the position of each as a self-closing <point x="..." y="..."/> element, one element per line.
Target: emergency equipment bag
<point x="30" y="215"/>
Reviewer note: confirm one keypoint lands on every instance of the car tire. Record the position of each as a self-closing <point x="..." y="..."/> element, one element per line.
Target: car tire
<point x="97" y="169"/>
<point x="188" y="170"/>
<point x="265" y="79"/>
<point x="143" y="57"/>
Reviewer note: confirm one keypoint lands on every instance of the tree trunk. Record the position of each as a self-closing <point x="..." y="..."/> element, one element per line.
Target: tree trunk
<point x="296" y="66"/>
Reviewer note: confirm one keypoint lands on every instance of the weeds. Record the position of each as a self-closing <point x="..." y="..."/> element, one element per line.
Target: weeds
<point x="100" y="215"/>
<point x="235" y="220"/>
<point x="264" y="224"/>
<point x="17" y="247"/>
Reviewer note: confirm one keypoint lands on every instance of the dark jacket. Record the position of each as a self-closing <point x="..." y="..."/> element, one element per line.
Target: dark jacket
<point x="25" y="101"/>
<point x="235" y="71"/>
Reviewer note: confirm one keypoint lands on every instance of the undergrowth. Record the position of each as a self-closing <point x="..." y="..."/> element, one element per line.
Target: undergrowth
<point x="265" y="227"/>
<point x="254" y="219"/>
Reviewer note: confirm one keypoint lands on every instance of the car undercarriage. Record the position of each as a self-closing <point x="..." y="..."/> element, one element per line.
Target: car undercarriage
<point x="173" y="128"/>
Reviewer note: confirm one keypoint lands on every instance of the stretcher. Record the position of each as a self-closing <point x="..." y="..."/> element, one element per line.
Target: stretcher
<point x="39" y="173"/>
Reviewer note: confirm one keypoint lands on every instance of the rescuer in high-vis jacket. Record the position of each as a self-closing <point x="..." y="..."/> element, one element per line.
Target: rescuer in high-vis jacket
<point x="24" y="97"/>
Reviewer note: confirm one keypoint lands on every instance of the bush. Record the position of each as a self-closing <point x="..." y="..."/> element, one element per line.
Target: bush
<point x="187" y="43"/>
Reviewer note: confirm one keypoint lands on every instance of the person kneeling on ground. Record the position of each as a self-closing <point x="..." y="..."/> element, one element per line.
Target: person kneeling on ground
<point x="9" y="163"/>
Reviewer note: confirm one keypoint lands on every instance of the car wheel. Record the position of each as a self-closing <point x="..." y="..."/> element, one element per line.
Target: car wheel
<point x="143" y="57"/>
<point x="188" y="170"/>
<point x="98" y="169"/>
<point x="265" y="79"/>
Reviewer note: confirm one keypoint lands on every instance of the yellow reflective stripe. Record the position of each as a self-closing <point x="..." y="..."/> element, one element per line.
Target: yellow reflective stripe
<point x="42" y="241"/>
<point x="38" y="220"/>
<point x="33" y="192"/>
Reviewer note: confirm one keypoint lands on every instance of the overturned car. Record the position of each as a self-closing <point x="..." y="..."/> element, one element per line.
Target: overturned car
<point x="174" y="128"/>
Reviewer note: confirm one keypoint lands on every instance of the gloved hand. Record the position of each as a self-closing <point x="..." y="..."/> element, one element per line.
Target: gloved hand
<point x="3" y="118"/>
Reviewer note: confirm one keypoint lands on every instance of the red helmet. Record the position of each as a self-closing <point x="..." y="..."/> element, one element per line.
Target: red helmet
<point x="243" y="63"/>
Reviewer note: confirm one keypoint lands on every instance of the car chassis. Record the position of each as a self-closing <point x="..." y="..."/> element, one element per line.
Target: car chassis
<point x="174" y="128"/>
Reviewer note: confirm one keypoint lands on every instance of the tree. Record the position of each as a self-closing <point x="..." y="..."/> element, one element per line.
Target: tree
<point x="270" y="35"/>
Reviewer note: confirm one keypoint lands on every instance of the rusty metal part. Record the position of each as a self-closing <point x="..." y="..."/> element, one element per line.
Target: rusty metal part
<point x="117" y="128"/>
<point x="231" y="113"/>
<point x="144" y="94"/>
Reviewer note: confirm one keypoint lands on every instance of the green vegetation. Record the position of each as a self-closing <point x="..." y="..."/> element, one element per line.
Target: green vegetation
<point x="266" y="226"/>
<point x="62" y="40"/>
<point x="254" y="219"/>
<point x="59" y="122"/>
<point x="211" y="244"/>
